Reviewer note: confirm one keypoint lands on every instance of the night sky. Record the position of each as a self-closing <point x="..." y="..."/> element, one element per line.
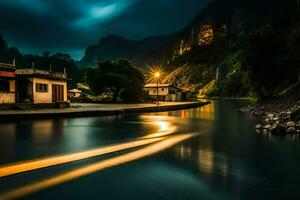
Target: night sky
<point x="69" y="26"/>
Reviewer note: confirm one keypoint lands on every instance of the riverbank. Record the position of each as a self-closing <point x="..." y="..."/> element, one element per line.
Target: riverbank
<point x="280" y="116"/>
<point x="85" y="110"/>
<point x="230" y="98"/>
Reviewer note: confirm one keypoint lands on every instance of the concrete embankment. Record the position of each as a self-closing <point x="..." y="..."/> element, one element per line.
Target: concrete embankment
<point x="96" y="110"/>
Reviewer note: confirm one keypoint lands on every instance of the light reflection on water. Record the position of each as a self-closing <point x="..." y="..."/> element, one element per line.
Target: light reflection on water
<point x="226" y="160"/>
<point x="146" y="151"/>
<point x="207" y="112"/>
<point x="207" y="161"/>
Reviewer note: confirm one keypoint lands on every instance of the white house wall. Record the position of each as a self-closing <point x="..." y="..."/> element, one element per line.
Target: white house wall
<point x="161" y="91"/>
<point x="46" y="97"/>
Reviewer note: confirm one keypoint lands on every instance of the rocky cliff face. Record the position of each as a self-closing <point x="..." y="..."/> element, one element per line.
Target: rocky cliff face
<point x="210" y="40"/>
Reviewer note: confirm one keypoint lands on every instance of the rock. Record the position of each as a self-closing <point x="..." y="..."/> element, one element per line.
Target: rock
<point x="268" y="126"/>
<point x="297" y="126"/>
<point x="258" y="126"/>
<point x="290" y="130"/>
<point x="285" y="119"/>
<point x="271" y="116"/>
<point x="291" y="124"/>
<point x="276" y="119"/>
<point x="265" y="121"/>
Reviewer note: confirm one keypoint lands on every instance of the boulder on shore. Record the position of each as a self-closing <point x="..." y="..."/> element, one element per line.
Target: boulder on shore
<point x="291" y="124"/>
<point x="290" y="130"/>
<point x="258" y="126"/>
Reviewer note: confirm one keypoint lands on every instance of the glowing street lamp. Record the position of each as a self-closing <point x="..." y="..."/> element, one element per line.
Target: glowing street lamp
<point x="157" y="75"/>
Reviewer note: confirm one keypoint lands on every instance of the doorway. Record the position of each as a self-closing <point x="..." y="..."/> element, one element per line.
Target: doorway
<point x="57" y="93"/>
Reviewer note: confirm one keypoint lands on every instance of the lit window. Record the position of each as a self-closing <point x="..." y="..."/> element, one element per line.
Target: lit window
<point x="39" y="87"/>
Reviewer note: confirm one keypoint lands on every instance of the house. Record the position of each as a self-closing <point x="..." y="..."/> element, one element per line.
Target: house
<point x="74" y="93"/>
<point x="40" y="86"/>
<point x="166" y="92"/>
<point x="7" y="83"/>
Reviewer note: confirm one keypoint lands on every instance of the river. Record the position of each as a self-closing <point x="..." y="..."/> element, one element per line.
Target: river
<point x="211" y="152"/>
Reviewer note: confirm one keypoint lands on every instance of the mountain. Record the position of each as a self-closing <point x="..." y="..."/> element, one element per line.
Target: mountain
<point x="115" y="47"/>
<point x="251" y="48"/>
<point x="253" y="45"/>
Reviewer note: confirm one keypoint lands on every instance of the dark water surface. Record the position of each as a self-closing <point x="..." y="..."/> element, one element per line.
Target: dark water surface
<point x="211" y="152"/>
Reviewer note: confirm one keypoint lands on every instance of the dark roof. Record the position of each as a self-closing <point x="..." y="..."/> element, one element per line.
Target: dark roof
<point x="7" y="67"/>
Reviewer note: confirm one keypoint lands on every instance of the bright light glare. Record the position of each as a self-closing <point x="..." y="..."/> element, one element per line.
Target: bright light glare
<point x="155" y="73"/>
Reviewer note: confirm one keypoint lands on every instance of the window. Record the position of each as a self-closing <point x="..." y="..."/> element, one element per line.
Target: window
<point x="162" y="89"/>
<point x="4" y="85"/>
<point x="39" y="87"/>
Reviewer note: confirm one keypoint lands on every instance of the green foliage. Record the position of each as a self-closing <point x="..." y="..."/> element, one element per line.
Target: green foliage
<point x="235" y="84"/>
<point x="119" y="78"/>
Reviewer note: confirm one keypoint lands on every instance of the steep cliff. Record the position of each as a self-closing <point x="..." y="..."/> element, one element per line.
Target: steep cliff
<point x="219" y="37"/>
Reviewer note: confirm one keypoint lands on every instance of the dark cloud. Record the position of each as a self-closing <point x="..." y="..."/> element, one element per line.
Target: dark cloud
<point x="71" y="25"/>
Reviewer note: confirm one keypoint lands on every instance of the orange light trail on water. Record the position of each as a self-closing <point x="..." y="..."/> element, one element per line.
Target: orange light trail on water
<point x="74" y="174"/>
<point x="57" y="160"/>
<point x="165" y="128"/>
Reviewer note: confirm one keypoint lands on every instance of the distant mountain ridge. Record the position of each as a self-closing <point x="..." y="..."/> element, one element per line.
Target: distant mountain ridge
<point x="115" y="47"/>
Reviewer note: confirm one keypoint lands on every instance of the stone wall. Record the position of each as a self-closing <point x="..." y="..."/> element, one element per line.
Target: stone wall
<point x="7" y="97"/>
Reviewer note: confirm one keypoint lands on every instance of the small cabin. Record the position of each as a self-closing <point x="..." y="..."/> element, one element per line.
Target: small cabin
<point x="74" y="93"/>
<point x="166" y="92"/>
<point x="7" y="83"/>
<point x="40" y="86"/>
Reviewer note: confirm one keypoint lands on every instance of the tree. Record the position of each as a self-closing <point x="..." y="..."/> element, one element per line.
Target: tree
<point x="46" y="54"/>
<point x="261" y="55"/>
<point x="119" y="77"/>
